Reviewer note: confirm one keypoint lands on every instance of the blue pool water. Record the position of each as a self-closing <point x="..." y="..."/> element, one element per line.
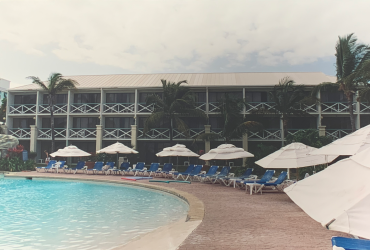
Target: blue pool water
<point x="49" y="214"/>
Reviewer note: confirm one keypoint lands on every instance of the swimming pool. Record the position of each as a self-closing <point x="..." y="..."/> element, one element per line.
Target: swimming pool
<point x="50" y="214"/>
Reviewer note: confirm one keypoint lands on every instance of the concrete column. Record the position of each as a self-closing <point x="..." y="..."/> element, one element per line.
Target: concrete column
<point x="99" y="137"/>
<point x="322" y="130"/>
<point x="245" y="147"/>
<point x="134" y="136"/>
<point x="33" y="139"/>
<point x="4" y="129"/>
<point x="207" y="146"/>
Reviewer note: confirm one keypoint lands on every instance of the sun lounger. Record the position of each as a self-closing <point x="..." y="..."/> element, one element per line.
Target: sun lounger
<point x="350" y="244"/>
<point x="193" y="173"/>
<point x="167" y="167"/>
<point x="274" y="184"/>
<point x="108" y="166"/>
<point x="181" y="174"/>
<point x="152" y="169"/>
<point x="139" y="166"/>
<point x="80" y="166"/>
<point x="124" y="168"/>
<point x="246" y="175"/>
<point x="211" y="172"/>
<point x="254" y="183"/>
<point x="50" y="164"/>
<point x="58" y="165"/>
<point x="220" y="177"/>
<point x="97" y="167"/>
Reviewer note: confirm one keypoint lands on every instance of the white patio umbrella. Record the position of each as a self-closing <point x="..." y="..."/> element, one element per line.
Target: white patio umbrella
<point x="177" y="150"/>
<point x="348" y="145"/>
<point x="294" y="155"/>
<point x="339" y="196"/>
<point x="70" y="151"/>
<point x="117" y="148"/>
<point x="225" y="152"/>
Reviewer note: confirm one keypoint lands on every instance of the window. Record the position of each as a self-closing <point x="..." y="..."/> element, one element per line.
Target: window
<point x="161" y="124"/>
<point x="333" y="97"/>
<point x="59" y="99"/>
<point x="302" y="122"/>
<point x="23" y="122"/>
<point x="143" y="96"/>
<point x="217" y="96"/>
<point x="59" y="122"/>
<point x="200" y="96"/>
<point x="194" y="122"/>
<point x="85" y="122"/>
<point x="256" y="96"/>
<point x="120" y="98"/>
<point x="216" y="122"/>
<point x="87" y="98"/>
<point x="119" y="122"/>
<point x="336" y="122"/>
<point x="24" y="99"/>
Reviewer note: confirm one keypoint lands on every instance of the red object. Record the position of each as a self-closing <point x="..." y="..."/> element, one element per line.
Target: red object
<point x="201" y="152"/>
<point x="128" y="179"/>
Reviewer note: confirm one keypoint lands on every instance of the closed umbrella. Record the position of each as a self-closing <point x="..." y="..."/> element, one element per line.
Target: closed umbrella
<point x="339" y="196"/>
<point x="177" y="150"/>
<point x="225" y="152"/>
<point x="294" y="155"/>
<point x="117" y="148"/>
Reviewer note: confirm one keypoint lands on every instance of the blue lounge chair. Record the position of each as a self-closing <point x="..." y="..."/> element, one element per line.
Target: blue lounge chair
<point x="50" y="164"/>
<point x="110" y="165"/>
<point x="219" y="178"/>
<point x="194" y="173"/>
<point x="57" y="166"/>
<point x="211" y="172"/>
<point x="97" y="167"/>
<point x="278" y="181"/>
<point x="80" y="166"/>
<point x="246" y="175"/>
<point x="350" y="244"/>
<point x="139" y="166"/>
<point x="152" y="169"/>
<point x="265" y="178"/>
<point x="181" y="174"/>
<point x="124" y="168"/>
<point x="167" y="167"/>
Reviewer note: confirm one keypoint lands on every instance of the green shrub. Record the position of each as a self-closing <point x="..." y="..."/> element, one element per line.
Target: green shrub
<point x="32" y="155"/>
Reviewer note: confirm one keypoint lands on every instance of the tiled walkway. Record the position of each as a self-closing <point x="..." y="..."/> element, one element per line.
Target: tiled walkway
<point x="235" y="220"/>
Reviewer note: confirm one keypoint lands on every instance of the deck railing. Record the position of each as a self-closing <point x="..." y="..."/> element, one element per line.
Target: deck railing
<point x="337" y="133"/>
<point x="143" y="108"/>
<point x="82" y="133"/>
<point x="46" y="133"/>
<point x="20" y="133"/>
<point x="155" y="133"/>
<point x="22" y="109"/>
<point x="119" y="107"/>
<point x="58" y="108"/>
<point x="266" y="134"/>
<point x="191" y="133"/>
<point x="336" y="107"/>
<point x="117" y="133"/>
<point x="85" y="108"/>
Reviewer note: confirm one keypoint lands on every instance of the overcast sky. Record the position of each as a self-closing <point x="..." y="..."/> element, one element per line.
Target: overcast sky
<point x="80" y="37"/>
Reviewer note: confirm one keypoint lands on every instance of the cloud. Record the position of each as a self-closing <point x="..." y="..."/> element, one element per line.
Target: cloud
<point x="171" y="35"/>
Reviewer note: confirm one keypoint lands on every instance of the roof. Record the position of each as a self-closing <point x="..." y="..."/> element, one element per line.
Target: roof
<point x="194" y="80"/>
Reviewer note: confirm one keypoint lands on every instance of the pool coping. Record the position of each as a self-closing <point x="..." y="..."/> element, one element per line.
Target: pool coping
<point x="196" y="210"/>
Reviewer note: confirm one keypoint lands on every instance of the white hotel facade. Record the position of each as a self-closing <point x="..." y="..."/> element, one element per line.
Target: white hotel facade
<point x="109" y="108"/>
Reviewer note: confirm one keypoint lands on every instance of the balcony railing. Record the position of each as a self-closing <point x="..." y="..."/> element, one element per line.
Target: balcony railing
<point x="191" y="133"/>
<point x="22" y="109"/>
<point x="364" y="108"/>
<point x="82" y="133"/>
<point x="117" y="133"/>
<point x="46" y="133"/>
<point x="143" y="108"/>
<point x="20" y="133"/>
<point x="310" y="108"/>
<point x="267" y="134"/>
<point x="213" y="107"/>
<point x="58" y="108"/>
<point x="254" y="106"/>
<point x="201" y="106"/>
<point x="293" y="131"/>
<point x="336" y="107"/>
<point x="119" y="107"/>
<point x="337" y="133"/>
<point x="85" y="108"/>
<point x="155" y="133"/>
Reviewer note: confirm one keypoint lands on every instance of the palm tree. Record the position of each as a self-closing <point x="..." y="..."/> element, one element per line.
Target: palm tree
<point x="56" y="84"/>
<point x="352" y="66"/>
<point x="288" y="98"/>
<point x="235" y="124"/>
<point x="177" y="102"/>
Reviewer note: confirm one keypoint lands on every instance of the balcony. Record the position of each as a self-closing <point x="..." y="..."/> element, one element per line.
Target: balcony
<point x="85" y="108"/>
<point x="337" y="133"/>
<point x="117" y="133"/>
<point x="45" y="133"/>
<point x="82" y="133"/>
<point x="118" y="107"/>
<point x="254" y="106"/>
<point x="213" y="107"/>
<point x="336" y="107"/>
<point x="58" y="108"/>
<point x="201" y="106"/>
<point x="22" y="109"/>
<point x="143" y="108"/>
<point x="155" y="133"/>
<point x="192" y="133"/>
<point x="364" y="108"/>
<point x="20" y="133"/>
<point x="266" y="134"/>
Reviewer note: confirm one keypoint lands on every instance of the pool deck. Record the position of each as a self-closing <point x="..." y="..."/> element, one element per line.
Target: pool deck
<point x="233" y="219"/>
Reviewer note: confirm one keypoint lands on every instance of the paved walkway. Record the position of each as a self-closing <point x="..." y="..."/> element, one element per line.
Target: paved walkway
<point x="234" y="220"/>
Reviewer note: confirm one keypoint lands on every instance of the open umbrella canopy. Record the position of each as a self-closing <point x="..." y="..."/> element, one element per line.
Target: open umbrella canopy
<point x="339" y="196"/>
<point x="348" y="145"/>
<point x="294" y="155"/>
<point x="177" y="150"/>
<point x="8" y="141"/>
<point x="117" y="148"/>
<point x="70" y="151"/>
<point x="225" y="152"/>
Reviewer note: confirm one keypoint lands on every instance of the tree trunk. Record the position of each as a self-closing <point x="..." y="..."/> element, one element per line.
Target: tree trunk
<point x="51" y="106"/>
<point x="350" y="109"/>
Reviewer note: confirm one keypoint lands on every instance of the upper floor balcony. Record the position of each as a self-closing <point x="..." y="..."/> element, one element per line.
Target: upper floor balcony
<point x="60" y="108"/>
<point x="336" y="107"/>
<point x="117" y="133"/>
<point x="85" y="108"/>
<point x="45" y="133"/>
<point x="22" y="109"/>
<point x="118" y="107"/>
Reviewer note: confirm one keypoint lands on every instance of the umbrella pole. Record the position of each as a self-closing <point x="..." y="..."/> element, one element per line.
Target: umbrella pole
<point x="288" y="170"/>
<point x="177" y="167"/>
<point x="117" y="161"/>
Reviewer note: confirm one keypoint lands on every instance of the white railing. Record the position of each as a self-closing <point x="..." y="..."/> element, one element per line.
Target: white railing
<point x="191" y="133"/>
<point x="155" y="133"/>
<point x="337" y="133"/>
<point x="82" y="133"/>
<point x="201" y="106"/>
<point x="58" y="108"/>
<point x="254" y="106"/>
<point x="336" y="107"/>
<point x="117" y="133"/>
<point x="119" y="107"/>
<point x="22" y="109"/>
<point x="294" y="131"/>
<point x="143" y="108"/>
<point x="364" y="108"/>
<point x="213" y="107"/>
<point x="85" y="108"/>
<point x="271" y="134"/>
<point x="312" y="108"/>
<point x="46" y="133"/>
<point x="20" y="133"/>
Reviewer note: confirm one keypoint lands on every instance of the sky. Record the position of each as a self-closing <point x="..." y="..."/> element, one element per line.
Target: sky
<point x="84" y="37"/>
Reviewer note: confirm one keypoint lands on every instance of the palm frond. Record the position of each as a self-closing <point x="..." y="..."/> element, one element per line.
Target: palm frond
<point x="65" y="84"/>
<point x="153" y="120"/>
<point x="325" y="86"/>
<point x="208" y="137"/>
<point x="36" y="80"/>
<point x="181" y="126"/>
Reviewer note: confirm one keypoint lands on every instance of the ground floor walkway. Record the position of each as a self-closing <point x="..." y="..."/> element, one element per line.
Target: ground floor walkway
<point x="234" y="220"/>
